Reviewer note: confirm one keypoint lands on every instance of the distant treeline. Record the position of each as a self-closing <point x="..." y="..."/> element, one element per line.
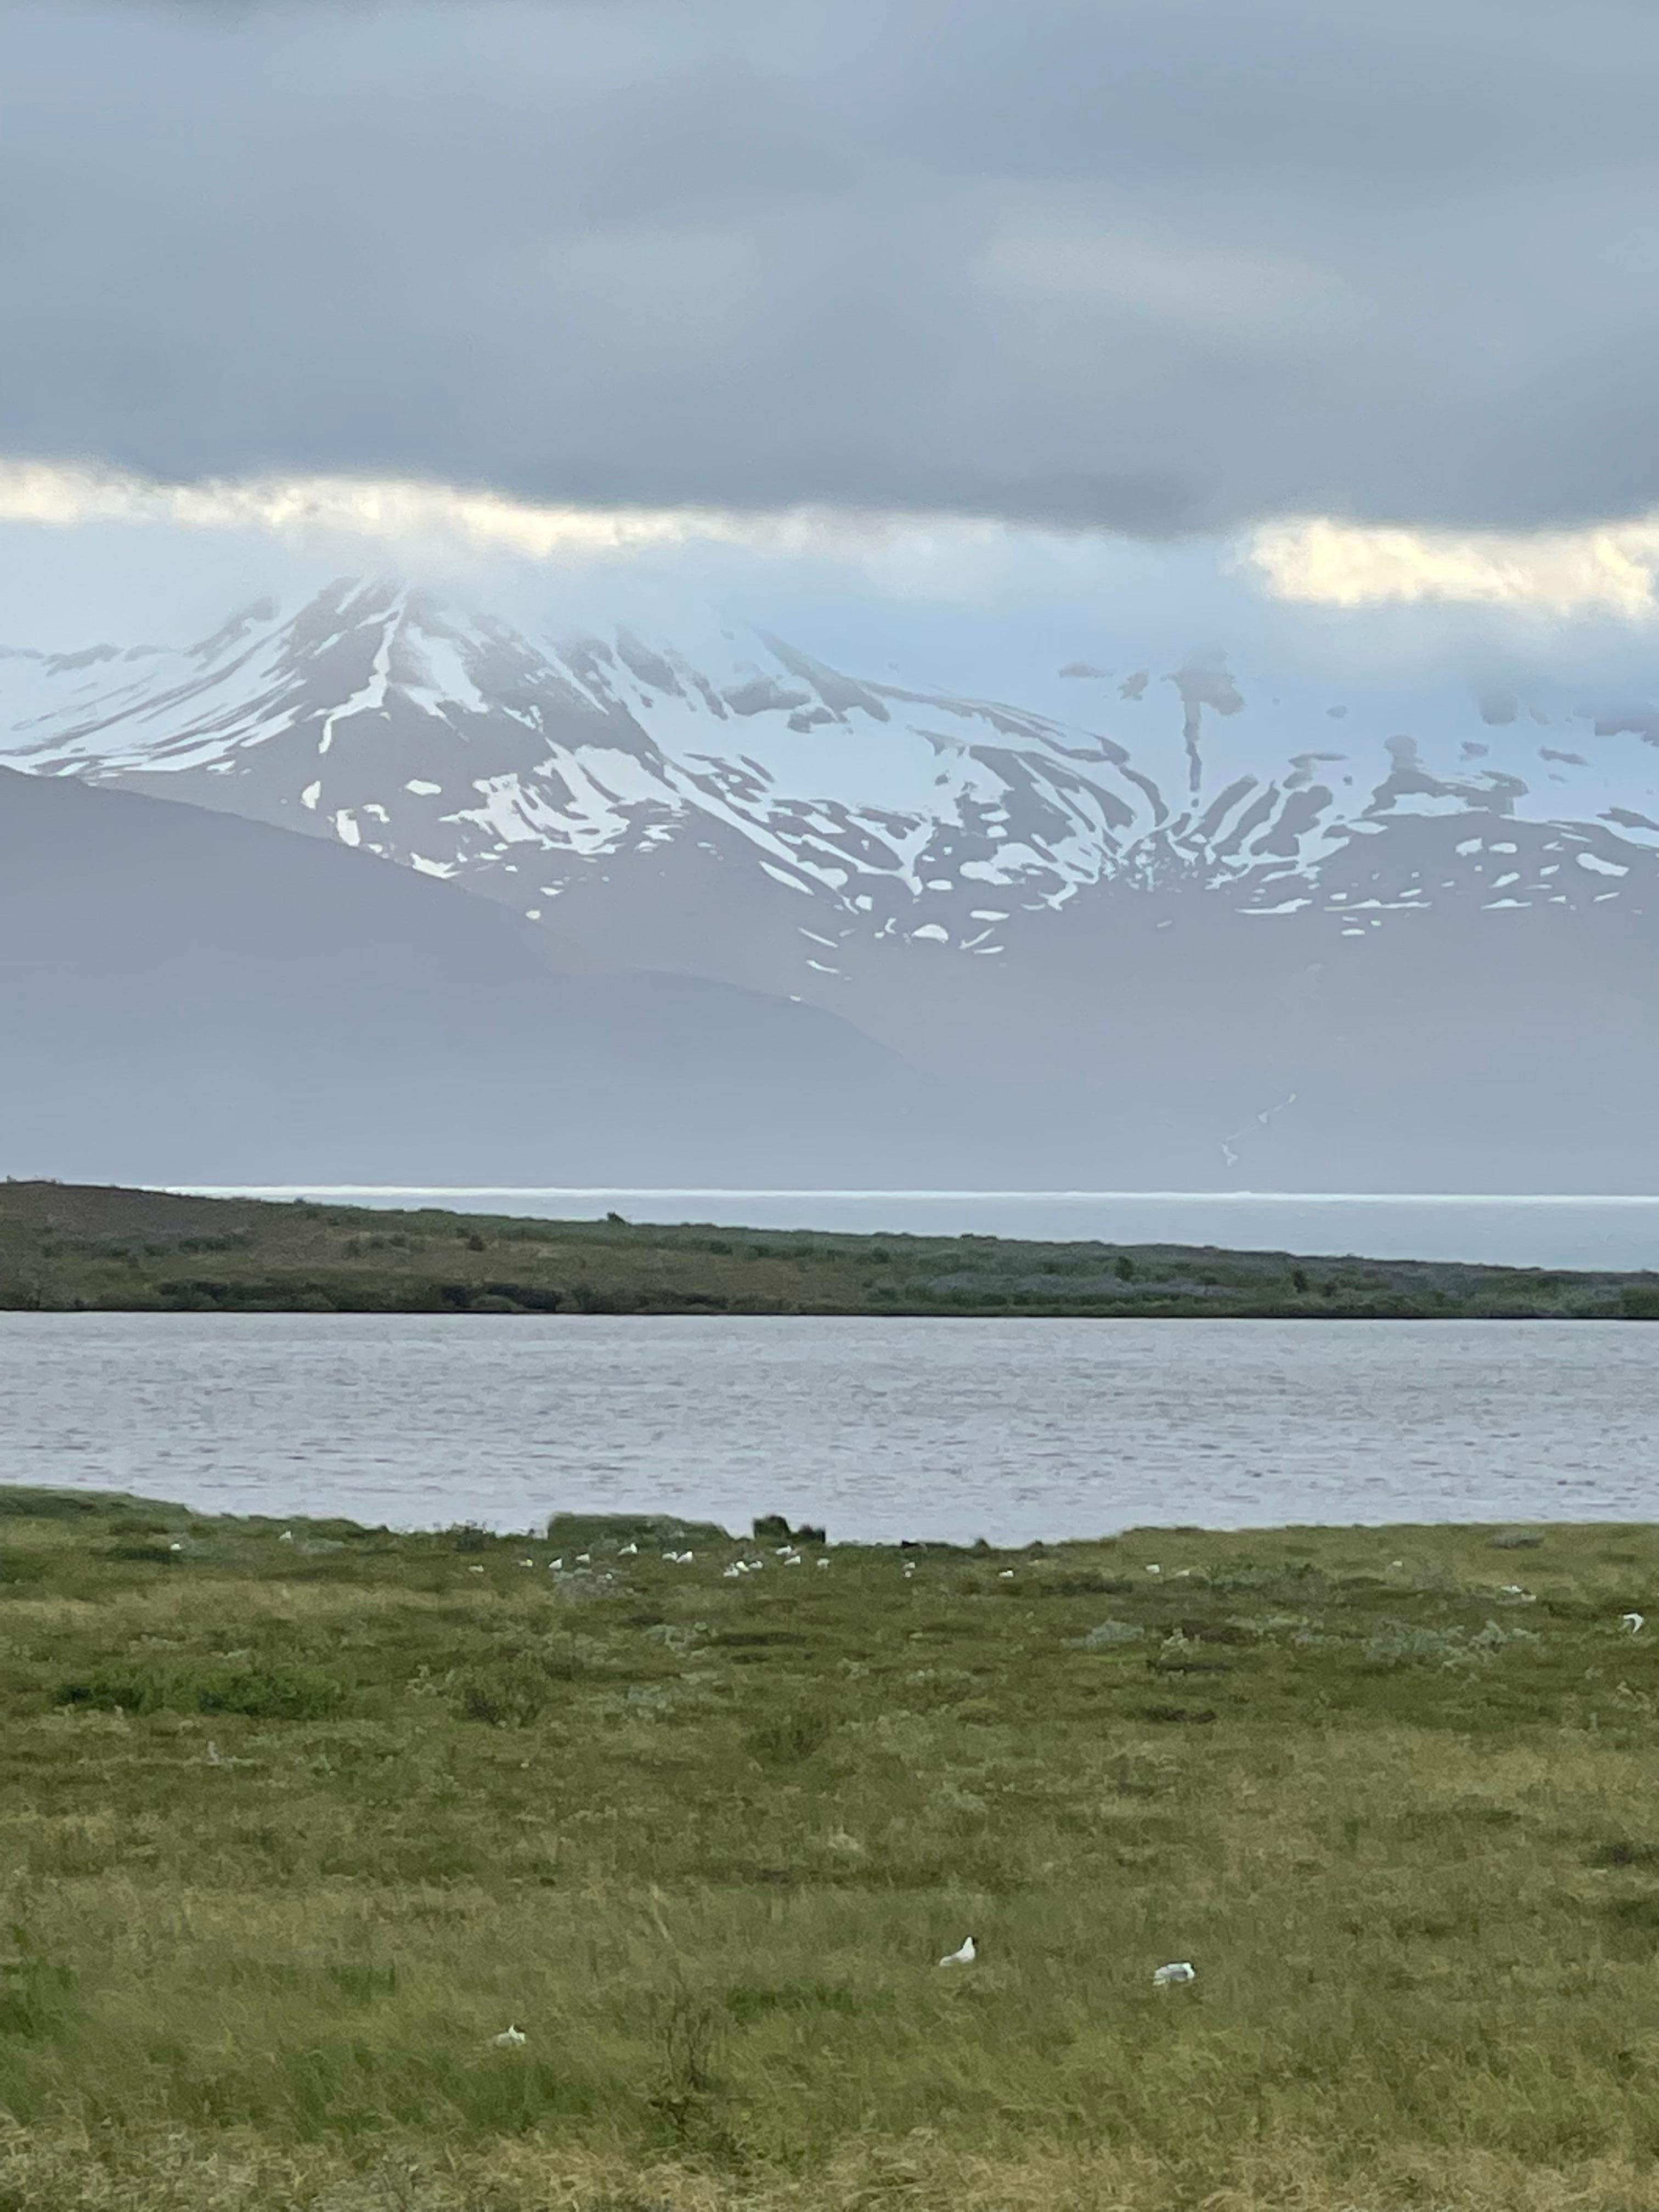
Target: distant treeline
<point x="85" y="1247"/>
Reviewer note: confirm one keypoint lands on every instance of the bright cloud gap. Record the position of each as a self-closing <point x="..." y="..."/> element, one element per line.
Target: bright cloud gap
<point x="1603" y="569"/>
<point x="1608" y="569"/>
<point x="405" y="510"/>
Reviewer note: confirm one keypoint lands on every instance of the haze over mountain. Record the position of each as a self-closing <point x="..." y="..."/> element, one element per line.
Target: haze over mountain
<point x="187" y="998"/>
<point x="1202" y="927"/>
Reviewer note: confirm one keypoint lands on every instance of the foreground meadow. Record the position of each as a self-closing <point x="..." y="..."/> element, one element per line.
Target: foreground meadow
<point x="295" y="1824"/>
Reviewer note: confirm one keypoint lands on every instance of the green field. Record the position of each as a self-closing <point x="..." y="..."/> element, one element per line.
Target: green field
<point x="293" y="1829"/>
<point x="64" y="1247"/>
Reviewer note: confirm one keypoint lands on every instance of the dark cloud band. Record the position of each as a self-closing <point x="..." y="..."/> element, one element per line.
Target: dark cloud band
<point x="1163" y="266"/>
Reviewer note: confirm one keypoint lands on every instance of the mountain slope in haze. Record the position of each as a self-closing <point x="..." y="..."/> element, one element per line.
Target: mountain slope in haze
<point x="189" y="997"/>
<point x="186" y="997"/>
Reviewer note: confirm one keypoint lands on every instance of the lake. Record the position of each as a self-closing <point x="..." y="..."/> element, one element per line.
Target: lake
<point x="881" y="1428"/>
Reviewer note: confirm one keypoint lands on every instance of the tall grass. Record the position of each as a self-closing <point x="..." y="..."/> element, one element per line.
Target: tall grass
<point x="292" y="1831"/>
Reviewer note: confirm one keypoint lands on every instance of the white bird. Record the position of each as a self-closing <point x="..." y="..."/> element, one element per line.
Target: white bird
<point x="526" y="1563"/>
<point x="584" y="1558"/>
<point x="1006" y="1575"/>
<point x="1183" y="1970"/>
<point x="1154" y="1570"/>
<point x="509" y="2039"/>
<point x="554" y="1566"/>
<point x="1634" y="1623"/>
<point x="287" y="1536"/>
<point x="782" y="1551"/>
<point x="175" y="1547"/>
<point x="794" y="1560"/>
<point x="213" y="1758"/>
<point x="685" y="1558"/>
<point x="471" y="1570"/>
<point x="822" y="1565"/>
<point x="964" y="1955"/>
<point x="628" y="1551"/>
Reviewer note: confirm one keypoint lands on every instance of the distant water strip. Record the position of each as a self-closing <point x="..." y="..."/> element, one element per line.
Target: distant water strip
<point x="1552" y="1229"/>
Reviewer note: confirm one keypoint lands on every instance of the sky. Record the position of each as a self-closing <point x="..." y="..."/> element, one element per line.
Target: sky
<point x="972" y="331"/>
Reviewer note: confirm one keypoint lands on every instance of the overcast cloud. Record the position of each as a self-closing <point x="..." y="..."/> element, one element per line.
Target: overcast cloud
<point x="1160" y="265"/>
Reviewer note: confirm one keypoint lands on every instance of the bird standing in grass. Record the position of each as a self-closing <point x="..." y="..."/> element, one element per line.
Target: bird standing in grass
<point x="510" y="2038"/>
<point x="1170" y="1977"/>
<point x="964" y="1955"/>
<point x="1633" y="1624"/>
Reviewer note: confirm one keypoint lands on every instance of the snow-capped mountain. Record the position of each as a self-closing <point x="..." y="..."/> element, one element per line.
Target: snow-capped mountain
<point x="968" y="878"/>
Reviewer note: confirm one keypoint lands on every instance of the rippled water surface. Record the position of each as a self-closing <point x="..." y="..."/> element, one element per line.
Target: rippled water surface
<point x="1009" y="1430"/>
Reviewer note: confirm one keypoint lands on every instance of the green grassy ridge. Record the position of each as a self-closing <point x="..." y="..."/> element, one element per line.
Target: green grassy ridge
<point x="74" y="1246"/>
<point x="299" y="1817"/>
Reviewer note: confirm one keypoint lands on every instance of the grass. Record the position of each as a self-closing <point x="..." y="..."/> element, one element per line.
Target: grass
<point x="77" y="1246"/>
<point x="292" y="1829"/>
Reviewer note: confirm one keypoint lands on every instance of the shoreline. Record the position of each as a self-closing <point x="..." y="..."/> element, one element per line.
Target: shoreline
<point x="561" y="1529"/>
